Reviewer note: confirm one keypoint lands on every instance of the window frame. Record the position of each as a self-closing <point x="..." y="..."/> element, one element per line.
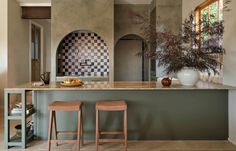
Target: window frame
<point x="204" y="5"/>
<point x="198" y="17"/>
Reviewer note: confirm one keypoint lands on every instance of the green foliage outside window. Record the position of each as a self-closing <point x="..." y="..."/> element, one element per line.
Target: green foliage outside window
<point x="212" y="14"/>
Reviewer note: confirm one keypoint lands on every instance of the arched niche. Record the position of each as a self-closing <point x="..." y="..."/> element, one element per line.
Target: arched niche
<point x="82" y="53"/>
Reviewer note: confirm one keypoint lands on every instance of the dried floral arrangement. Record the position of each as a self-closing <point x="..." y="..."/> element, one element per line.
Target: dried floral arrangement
<point x="188" y="48"/>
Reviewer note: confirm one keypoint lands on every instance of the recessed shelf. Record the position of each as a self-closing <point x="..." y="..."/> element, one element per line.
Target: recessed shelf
<point x="14" y="144"/>
<point x="14" y="117"/>
<point x="17" y="139"/>
<point x="19" y="116"/>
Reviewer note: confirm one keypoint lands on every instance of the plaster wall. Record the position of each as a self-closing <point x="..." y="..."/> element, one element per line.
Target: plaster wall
<point x="93" y="15"/>
<point x="153" y="23"/>
<point x="189" y="6"/>
<point x="128" y="66"/>
<point x="169" y="14"/>
<point x="124" y="24"/>
<point x="18" y="46"/>
<point x="230" y="46"/>
<point x="152" y="5"/>
<point x="14" y="46"/>
<point x="229" y="72"/>
<point x="46" y="24"/>
<point x="3" y="48"/>
<point x="168" y="18"/>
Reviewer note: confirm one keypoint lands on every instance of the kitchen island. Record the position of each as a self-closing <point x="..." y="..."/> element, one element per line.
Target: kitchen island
<point x="154" y="112"/>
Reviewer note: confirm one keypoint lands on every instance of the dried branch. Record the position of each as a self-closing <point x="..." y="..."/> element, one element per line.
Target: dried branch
<point x="195" y="46"/>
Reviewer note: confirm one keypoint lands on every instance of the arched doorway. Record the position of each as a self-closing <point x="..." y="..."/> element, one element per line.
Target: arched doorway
<point x="128" y="66"/>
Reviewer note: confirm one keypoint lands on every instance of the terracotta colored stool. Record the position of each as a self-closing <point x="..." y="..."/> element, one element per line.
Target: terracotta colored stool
<point x="67" y="106"/>
<point x="111" y="106"/>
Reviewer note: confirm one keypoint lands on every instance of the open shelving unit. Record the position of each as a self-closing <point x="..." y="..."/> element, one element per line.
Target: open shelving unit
<point x="18" y="141"/>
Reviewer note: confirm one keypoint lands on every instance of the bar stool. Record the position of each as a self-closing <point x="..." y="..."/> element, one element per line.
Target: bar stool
<point x="111" y="106"/>
<point x="66" y="107"/>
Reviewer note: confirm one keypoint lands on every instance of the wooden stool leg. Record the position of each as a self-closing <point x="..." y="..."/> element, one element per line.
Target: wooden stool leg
<point x="97" y="129"/>
<point x="125" y="128"/>
<point x="78" y="131"/>
<point x="50" y="131"/>
<point x="55" y="126"/>
<point x="82" y="129"/>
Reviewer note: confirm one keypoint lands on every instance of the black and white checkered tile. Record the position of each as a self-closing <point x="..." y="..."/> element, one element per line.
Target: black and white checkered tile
<point x="83" y="54"/>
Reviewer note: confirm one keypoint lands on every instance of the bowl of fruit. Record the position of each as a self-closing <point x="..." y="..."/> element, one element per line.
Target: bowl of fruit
<point x="72" y="82"/>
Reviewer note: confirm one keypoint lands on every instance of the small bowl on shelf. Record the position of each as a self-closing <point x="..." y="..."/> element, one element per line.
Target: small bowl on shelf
<point x="18" y="130"/>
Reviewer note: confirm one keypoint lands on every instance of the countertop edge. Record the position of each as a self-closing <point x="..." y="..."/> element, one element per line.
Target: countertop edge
<point x="119" y="86"/>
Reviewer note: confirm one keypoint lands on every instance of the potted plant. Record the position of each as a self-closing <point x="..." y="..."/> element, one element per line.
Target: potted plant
<point x="188" y="52"/>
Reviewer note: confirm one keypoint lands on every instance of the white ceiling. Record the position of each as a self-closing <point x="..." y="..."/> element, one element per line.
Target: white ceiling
<point x="35" y="2"/>
<point x="48" y="2"/>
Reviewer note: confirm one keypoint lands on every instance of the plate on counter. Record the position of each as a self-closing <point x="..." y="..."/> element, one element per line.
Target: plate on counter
<point x="72" y="84"/>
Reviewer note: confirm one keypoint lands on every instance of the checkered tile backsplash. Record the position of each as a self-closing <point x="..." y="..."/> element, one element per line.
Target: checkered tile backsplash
<point x="83" y="54"/>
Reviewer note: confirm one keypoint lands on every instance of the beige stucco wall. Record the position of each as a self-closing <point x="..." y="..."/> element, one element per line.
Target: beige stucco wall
<point x="14" y="50"/>
<point x="168" y="18"/>
<point x="229" y="70"/>
<point x="93" y="15"/>
<point x="46" y="24"/>
<point x="128" y="66"/>
<point x="169" y="14"/>
<point x="230" y="46"/>
<point x="152" y="5"/>
<point x="3" y="48"/>
<point x="124" y="24"/>
<point x="189" y="6"/>
<point x="18" y="45"/>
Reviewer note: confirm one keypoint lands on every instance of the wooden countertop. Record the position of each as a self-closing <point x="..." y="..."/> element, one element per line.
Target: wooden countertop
<point x="123" y="86"/>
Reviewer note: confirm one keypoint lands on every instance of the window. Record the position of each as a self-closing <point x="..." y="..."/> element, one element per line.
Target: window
<point x="212" y="12"/>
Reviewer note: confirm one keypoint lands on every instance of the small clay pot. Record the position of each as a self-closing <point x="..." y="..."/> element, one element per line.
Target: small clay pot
<point x="166" y="82"/>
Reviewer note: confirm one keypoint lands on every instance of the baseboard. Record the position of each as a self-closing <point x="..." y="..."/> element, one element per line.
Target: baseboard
<point x="233" y="142"/>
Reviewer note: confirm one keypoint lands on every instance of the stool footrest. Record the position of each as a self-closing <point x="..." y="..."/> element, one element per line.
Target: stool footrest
<point x="111" y="140"/>
<point x="66" y="133"/>
<point x="64" y="141"/>
<point x="112" y="133"/>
